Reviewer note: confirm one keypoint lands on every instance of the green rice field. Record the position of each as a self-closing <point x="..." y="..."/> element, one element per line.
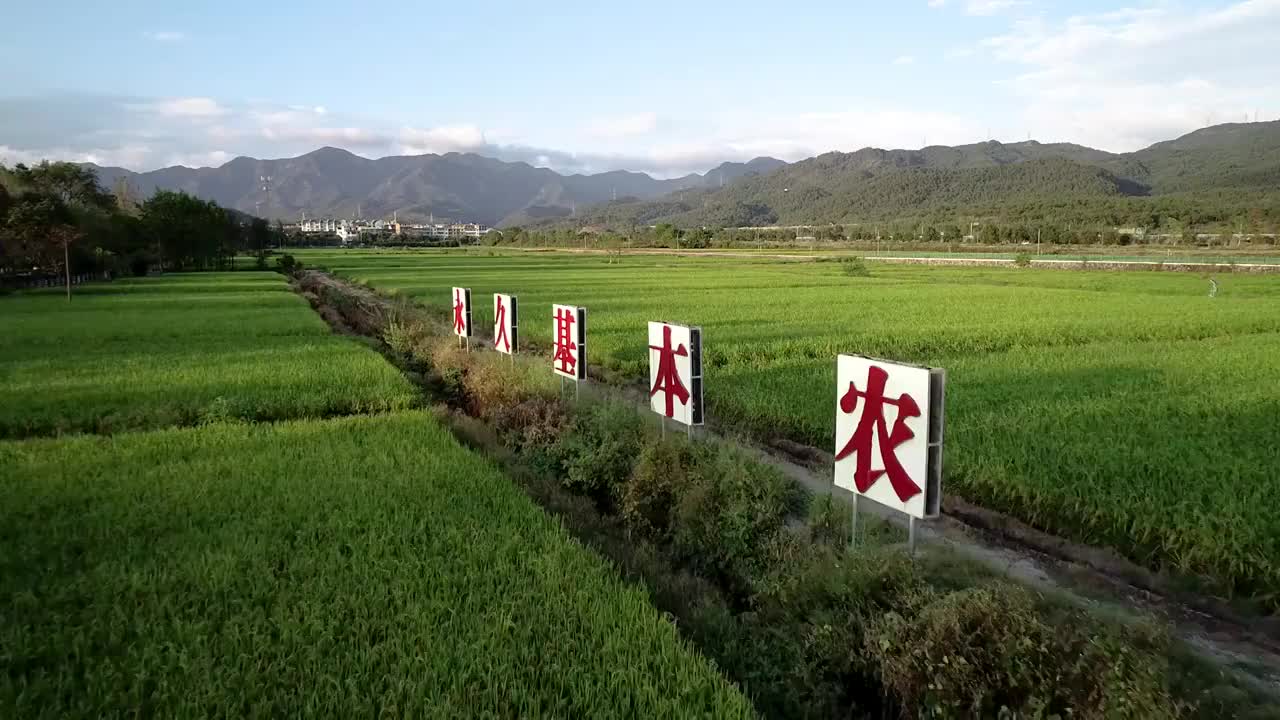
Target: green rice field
<point x="355" y="567"/>
<point x="1123" y="409"/>
<point x="178" y="350"/>
<point x="260" y="566"/>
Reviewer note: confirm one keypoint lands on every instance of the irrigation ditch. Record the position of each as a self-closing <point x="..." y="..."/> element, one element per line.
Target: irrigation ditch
<point x="1232" y="663"/>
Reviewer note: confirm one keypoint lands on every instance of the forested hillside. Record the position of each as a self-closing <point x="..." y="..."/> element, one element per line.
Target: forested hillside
<point x="458" y="187"/>
<point x="1227" y="174"/>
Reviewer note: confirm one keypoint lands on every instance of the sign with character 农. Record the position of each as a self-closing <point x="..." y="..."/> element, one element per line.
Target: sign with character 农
<point x="889" y="424"/>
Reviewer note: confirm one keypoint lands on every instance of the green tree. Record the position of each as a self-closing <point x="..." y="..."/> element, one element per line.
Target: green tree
<point x="38" y="232"/>
<point x="74" y="185"/>
<point x="259" y="241"/>
<point x="189" y="233"/>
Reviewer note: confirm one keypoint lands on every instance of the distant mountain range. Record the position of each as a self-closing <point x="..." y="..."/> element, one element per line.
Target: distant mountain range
<point x="1213" y="173"/>
<point x="1215" y="166"/>
<point x="330" y="182"/>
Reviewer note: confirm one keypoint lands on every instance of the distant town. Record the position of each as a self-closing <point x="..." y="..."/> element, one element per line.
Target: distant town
<point x="360" y="232"/>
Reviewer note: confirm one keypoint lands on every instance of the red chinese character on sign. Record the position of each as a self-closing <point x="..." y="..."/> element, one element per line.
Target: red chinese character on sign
<point x="565" y="346"/>
<point x="459" y="320"/>
<point x="668" y="377"/>
<point x="501" y="321"/>
<point x="872" y="426"/>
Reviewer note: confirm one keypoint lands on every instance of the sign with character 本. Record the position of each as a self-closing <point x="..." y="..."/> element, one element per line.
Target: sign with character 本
<point x="675" y="372"/>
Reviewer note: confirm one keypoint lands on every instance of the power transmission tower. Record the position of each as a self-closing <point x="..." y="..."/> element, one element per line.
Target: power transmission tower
<point x="265" y="185"/>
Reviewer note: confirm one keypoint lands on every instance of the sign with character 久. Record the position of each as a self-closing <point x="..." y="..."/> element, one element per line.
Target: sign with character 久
<point x="505" y="326"/>
<point x="675" y="372"/>
<point x="889" y="423"/>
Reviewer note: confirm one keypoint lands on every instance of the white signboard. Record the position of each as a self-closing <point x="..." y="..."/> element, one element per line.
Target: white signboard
<point x="889" y="433"/>
<point x="504" y="324"/>
<point x="569" y="335"/>
<point x="462" y="312"/>
<point x="675" y="372"/>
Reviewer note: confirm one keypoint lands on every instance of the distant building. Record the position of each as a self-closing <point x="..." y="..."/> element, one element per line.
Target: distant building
<point x="351" y="231"/>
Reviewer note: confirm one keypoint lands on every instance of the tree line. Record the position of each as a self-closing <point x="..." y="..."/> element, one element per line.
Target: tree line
<point x="901" y="234"/>
<point x="57" y="220"/>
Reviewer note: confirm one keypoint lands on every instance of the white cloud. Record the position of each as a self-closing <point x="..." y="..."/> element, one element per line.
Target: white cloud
<point x="12" y="156"/>
<point x="904" y="60"/>
<point x="340" y="136"/>
<point x="166" y="36"/>
<point x="624" y="126"/>
<point x="212" y="158"/>
<point x="443" y="139"/>
<point x="991" y="7"/>
<point x="1124" y="79"/>
<point x="128" y="155"/>
<point x="937" y="3"/>
<point x="193" y="107"/>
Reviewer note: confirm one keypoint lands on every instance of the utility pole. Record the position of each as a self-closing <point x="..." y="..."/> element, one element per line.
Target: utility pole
<point x="66" y="263"/>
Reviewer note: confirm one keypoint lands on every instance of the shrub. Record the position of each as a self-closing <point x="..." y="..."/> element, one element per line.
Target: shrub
<point x="854" y="267"/>
<point x="728" y="514"/>
<point x="398" y="337"/>
<point x="811" y="610"/>
<point x="288" y="264"/>
<point x="597" y="451"/>
<point x="530" y="426"/>
<point x="1022" y="260"/>
<point x="990" y="652"/>
<point x="663" y="470"/>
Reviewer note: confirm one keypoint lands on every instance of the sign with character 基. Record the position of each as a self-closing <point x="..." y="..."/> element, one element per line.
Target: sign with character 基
<point x="462" y="312"/>
<point x="889" y="423"/>
<point x="569" y="333"/>
<point x="504" y="324"/>
<point x="675" y="372"/>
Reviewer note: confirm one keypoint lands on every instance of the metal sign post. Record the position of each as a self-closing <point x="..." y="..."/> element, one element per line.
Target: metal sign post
<point x="853" y="523"/>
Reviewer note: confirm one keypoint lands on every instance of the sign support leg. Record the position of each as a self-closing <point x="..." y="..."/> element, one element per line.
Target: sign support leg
<point x="664" y="426"/>
<point x="853" y="523"/>
<point x="576" y="385"/>
<point x="911" y="534"/>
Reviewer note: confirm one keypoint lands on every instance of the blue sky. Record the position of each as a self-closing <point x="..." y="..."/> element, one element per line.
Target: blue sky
<point x="661" y="87"/>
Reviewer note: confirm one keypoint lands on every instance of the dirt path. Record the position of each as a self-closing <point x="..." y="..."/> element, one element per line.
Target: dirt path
<point x="1086" y="576"/>
<point x="1054" y="264"/>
